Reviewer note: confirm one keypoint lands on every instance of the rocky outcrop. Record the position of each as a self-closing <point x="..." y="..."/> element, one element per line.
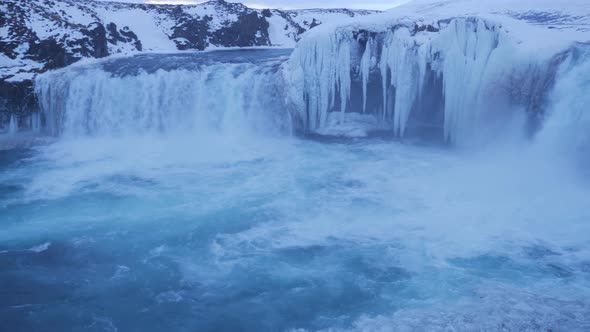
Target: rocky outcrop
<point x="124" y="35"/>
<point x="250" y="29"/>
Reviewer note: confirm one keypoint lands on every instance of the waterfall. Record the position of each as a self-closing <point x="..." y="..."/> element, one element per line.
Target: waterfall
<point x="467" y="79"/>
<point x="35" y="122"/>
<point x="112" y="99"/>
<point x="567" y="126"/>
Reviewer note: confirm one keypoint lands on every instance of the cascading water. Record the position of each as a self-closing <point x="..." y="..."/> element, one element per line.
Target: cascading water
<point x="12" y="125"/>
<point x="187" y="94"/>
<point x="567" y="125"/>
<point x="35" y="122"/>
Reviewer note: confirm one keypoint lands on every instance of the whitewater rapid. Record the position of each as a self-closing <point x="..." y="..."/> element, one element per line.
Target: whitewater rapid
<point x="228" y="233"/>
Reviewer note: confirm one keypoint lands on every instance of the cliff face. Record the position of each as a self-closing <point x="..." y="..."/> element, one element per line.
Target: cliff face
<point x="40" y="35"/>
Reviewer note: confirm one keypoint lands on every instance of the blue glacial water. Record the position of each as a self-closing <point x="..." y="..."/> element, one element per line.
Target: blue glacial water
<point x="225" y="230"/>
<point x="285" y="235"/>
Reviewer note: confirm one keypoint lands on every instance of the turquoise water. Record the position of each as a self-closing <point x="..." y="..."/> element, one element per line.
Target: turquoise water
<point x="161" y="233"/>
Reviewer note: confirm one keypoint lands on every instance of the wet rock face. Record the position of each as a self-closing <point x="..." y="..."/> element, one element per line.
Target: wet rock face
<point x="16" y="98"/>
<point x="95" y="43"/>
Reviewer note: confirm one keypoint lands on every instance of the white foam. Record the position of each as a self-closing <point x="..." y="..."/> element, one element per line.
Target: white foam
<point x="40" y="248"/>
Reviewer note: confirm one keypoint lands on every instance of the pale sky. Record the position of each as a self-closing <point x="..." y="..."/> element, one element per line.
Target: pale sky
<point x="296" y="4"/>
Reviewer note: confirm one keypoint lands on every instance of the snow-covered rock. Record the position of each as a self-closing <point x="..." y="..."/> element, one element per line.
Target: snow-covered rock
<point x="454" y="68"/>
<point x="47" y="34"/>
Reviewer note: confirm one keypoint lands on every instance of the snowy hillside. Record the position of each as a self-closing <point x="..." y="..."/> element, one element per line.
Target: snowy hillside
<point x="441" y="66"/>
<point x="37" y="35"/>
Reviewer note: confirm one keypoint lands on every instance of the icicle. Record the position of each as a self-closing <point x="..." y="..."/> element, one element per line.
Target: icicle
<point x="469" y="48"/>
<point x="384" y="84"/>
<point x="326" y="65"/>
<point x="404" y="68"/>
<point x="365" y="71"/>
<point x="343" y="68"/>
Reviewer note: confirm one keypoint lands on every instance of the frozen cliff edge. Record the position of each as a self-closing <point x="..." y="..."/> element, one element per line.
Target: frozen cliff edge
<point x="452" y="70"/>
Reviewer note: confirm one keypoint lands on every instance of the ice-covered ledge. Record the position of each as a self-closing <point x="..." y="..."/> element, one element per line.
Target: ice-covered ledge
<point x="459" y="67"/>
